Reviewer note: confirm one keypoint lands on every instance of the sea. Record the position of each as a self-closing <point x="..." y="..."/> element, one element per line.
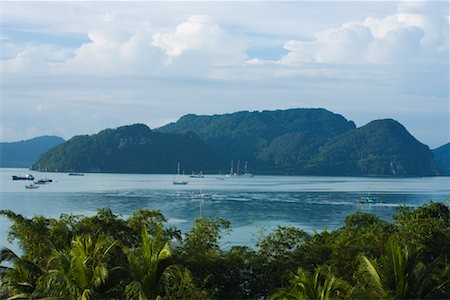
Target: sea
<point x="255" y="206"/>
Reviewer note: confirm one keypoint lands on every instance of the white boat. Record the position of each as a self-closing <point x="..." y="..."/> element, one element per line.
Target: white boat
<point x="237" y="173"/>
<point x="197" y="175"/>
<point x="31" y="186"/>
<point x="179" y="182"/>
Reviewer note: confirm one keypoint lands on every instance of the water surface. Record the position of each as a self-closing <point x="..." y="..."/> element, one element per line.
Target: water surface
<point x="250" y="204"/>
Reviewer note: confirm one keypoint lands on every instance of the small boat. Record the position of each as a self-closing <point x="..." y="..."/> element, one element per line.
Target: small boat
<point x="75" y="174"/>
<point x="197" y="175"/>
<point x="238" y="173"/>
<point x="31" y="186"/>
<point x="26" y="177"/>
<point x="367" y="200"/>
<point x="43" y="181"/>
<point x="179" y="182"/>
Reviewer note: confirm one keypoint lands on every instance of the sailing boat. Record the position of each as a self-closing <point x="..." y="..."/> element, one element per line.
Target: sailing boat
<point x="231" y="171"/>
<point x="237" y="173"/>
<point x="179" y="182"/>
<point x="246" y="173"/>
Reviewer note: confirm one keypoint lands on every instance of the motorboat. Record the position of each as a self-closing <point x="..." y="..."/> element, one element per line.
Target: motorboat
<point x="26" y="177"/>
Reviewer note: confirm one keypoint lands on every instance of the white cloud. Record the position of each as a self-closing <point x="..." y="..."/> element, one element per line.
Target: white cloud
<point x="78" y="59"/>
<point x="200" y="34"/>
<point x="33" y="58"/>
<point x="416" y="32"/>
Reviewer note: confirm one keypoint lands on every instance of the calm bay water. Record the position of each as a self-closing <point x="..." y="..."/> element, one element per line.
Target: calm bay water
<point x="250" y="204"/>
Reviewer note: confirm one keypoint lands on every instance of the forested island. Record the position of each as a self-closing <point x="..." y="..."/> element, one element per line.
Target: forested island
<point x="23" y="154"/>
<point x="287" y="142"/>
<point x="140" y="257"/>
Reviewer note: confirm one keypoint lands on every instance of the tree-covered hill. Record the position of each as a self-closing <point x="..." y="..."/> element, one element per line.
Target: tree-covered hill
<point x="130" y="149"/>
<point x="442" y="158"/>
<point x="294" y="141"/>
<point x="382" y="147"/>
<point x="25" y="153"/>
<point x="271" y="141"/>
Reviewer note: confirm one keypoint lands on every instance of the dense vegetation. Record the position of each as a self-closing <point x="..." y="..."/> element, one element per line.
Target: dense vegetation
<point x="24" y="153"/>
<point x="130" y="149"/>
<point x="294" y="141"/>
<point x="442" y="158"/>
<point x="104" y="257"/>
<point x="382" y="147"/>
<point x="271" y="141"/>
<point x="311" y="141"/>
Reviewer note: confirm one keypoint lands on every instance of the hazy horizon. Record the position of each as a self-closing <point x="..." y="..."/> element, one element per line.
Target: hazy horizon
<point x="70" y="68"/>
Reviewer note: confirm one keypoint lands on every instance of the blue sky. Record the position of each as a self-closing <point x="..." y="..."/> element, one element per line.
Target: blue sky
<point x="78" y="67"/>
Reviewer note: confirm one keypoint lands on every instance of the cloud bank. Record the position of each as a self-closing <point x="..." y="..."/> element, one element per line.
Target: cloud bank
<point x="175" y="58"/>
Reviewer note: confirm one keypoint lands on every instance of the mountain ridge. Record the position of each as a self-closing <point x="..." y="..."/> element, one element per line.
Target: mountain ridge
<point x="295" y="141"/>
<point x="24" y="153"/>
<point x="442" y="158"/>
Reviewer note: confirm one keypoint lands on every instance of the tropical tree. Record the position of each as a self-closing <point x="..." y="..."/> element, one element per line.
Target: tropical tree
<point x="147" y="264"/>
<point x="18" y="276"/>
<point x="202" y="255"/>
<point x="425" y="228"/>
<point x="305" y="285"/>
<point x="402" y="275"/>
<point x="79" y="272"/>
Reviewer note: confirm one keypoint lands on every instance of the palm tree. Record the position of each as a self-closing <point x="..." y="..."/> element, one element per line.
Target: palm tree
<point x="306" y="285"/>
<point x="79" y="272"/>
<point x="402" y="275"/>
<point x="19" y="277"/>
<point x="147" y="265"/>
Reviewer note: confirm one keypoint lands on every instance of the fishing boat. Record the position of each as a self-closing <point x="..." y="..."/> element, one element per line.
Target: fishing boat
<point x="26" y="177"/>
<point x="179" y="182"/>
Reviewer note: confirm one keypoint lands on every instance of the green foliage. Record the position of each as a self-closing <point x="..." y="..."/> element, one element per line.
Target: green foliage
<point x="305" y="285"/>
<point x="426" y="228"/>
<point x="442" y="158"/>
<point x="79" y="272"/>
<point x="130" y="149"/>
<point x="108" y="257"/>
<point x="382" y="147"/>
<point x="271" y="141"/>
<point x="402" y="275"/>
<point x="293" y="141"/>
<point x="146" y="265"/>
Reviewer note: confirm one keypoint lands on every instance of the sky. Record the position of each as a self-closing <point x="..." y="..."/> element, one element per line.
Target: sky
<point x="70" y="68"/>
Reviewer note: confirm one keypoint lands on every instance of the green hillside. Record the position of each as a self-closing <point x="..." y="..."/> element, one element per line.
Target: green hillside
<point x="442" y="157"/>
<point x="382" y="147"/>
<point x="271" y="141"/>
<point x="130" y="149"/>
<point x="295" y="141"/>
<point x="23" y="154"/>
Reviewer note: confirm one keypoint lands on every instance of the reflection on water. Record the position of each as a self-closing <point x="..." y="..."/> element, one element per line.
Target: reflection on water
<point x="250" y="204"/>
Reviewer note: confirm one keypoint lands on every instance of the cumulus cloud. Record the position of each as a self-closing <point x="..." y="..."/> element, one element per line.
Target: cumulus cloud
<point x="200" y="34"/>
<point x="416" y="32"/>
<point x="193" y="46"/>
